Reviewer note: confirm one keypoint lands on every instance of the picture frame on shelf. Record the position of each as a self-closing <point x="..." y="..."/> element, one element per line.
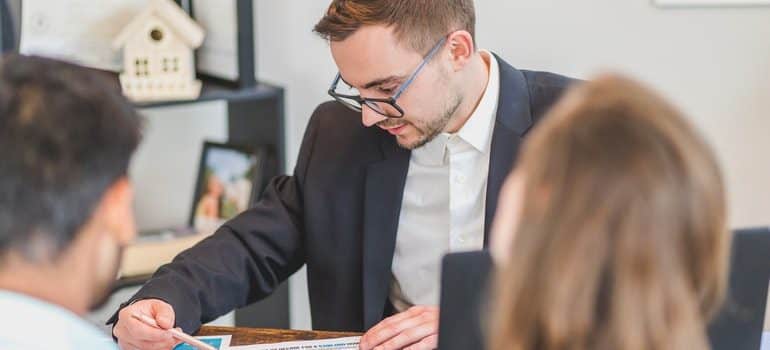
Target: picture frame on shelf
<point x="710" y="3"/>
<point x="9" y="29"/>
<point x="228" y="51"/>
<point x="229" y="178"/>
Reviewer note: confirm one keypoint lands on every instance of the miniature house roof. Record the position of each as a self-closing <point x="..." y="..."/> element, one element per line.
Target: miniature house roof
<point x="177" y="19"/>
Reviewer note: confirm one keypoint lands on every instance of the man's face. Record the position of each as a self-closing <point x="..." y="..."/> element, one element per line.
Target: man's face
<point x="116" y="228"/>
<point x="374" y="62"/>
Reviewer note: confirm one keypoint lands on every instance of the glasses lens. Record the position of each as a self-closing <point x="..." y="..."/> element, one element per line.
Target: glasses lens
<point x="384" y="108"/>
<point x="341" y="93"/>
<point x="350" y="103"/>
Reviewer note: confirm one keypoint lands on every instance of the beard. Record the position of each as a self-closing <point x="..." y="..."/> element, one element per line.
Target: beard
<point x="427" y="130"/>
<point x="104" y="289"/>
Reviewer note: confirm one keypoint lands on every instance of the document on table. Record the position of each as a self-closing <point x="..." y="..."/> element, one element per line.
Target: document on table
<point x="221" y="342"/>
<point x="350" y="343"/>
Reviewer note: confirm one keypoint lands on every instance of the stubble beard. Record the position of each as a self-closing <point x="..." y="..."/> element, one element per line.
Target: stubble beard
<point x="429" y="130"/>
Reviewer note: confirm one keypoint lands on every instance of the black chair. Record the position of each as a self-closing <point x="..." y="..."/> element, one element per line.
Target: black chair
<point x="738" y="326"/>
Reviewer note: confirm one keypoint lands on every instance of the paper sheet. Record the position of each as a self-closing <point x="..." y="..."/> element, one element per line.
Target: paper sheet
<point x="221" y="342"/>
<point x="77" y="30"/>
<point x="350" y="343"/>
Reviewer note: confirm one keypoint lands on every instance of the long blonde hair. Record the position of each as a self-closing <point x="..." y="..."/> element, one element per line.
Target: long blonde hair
<point x="622" y="239"/>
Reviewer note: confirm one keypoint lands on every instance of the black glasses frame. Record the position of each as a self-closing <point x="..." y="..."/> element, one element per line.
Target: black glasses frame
<point x="373" y="103"/>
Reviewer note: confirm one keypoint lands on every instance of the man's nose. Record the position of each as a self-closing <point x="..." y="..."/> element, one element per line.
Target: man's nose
<point x="369" y="117"/>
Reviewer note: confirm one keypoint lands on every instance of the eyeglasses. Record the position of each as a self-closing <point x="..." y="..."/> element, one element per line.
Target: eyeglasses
<point x="384" y="106"/>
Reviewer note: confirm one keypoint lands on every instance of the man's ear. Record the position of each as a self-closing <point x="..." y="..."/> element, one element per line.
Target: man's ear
<point x="461" y="48"/>
<point x="117" y="211"/>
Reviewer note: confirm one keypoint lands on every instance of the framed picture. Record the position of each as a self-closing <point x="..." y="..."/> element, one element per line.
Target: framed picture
<point x="710" y="3"/>
<point x="9" y="20"/>
<point x="228" y="179"/>
<point x="227" y="54"/>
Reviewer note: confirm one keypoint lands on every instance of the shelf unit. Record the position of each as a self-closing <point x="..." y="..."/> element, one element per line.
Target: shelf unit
<point x="255" y="118"/>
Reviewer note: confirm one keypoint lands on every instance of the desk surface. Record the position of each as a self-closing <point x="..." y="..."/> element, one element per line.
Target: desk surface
<point x="249" y="336"/>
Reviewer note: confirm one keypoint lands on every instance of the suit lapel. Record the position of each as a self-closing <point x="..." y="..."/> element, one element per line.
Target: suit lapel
<point x="385" y="182"/>
<point x="513" y="120"/>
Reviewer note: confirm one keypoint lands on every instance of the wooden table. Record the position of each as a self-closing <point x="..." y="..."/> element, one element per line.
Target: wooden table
<point x="249" y="336"/>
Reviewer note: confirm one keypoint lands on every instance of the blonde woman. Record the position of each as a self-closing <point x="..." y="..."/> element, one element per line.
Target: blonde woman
<point x="610" y="233"/>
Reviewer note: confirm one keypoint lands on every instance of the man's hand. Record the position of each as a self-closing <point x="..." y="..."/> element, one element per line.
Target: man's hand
<point x="413" y="329"/>
<point x="132" y="334"/>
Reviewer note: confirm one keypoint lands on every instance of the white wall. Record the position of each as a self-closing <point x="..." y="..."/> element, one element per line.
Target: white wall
<point x="165" y="167"/>
<point x="714" y="63"/>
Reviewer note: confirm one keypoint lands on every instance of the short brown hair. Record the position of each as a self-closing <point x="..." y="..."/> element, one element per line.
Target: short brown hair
<point x="622" y="241"/>
<point x="417" y="23"/>
<point x="66" y="135"/>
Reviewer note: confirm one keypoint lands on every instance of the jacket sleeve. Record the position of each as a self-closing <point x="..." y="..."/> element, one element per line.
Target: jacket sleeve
<point x="245" y="260"/>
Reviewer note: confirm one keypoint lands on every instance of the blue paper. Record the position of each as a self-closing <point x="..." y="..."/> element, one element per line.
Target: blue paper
<point x="215" y="342"/>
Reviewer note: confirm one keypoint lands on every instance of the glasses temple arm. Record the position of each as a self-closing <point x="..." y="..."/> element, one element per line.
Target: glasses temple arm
<point x="419" y="68"/>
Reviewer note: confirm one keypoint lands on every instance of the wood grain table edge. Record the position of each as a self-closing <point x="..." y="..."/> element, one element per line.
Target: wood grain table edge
<point x="250" y="336"/>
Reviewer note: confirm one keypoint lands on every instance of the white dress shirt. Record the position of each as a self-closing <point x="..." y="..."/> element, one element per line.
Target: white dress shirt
<point x="32" y="324"/>
<point x="444" y="200"/>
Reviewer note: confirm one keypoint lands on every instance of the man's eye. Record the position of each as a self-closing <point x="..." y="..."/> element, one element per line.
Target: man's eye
<point x="387" y="90"/>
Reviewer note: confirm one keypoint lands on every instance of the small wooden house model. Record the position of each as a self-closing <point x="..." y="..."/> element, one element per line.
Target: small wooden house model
<point x="158" y="60"/>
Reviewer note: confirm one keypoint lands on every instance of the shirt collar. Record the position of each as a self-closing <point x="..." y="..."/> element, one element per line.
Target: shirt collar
<point x="61" y="326"/>
<point x="477" y="130"/>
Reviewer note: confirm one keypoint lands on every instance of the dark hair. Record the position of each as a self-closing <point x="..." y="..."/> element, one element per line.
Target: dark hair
<point x="66" y="135"/>
<point x="418" y="23"/>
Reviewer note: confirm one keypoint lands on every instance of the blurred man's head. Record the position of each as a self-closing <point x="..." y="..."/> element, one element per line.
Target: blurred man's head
<point x="378" y="45"/>
<point x="66" y="139"/>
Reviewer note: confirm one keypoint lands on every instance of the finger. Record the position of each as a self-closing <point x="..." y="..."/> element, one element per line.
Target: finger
<point x="369" y="341"/>
<point x="411" y="336"/>
<point x="138" y="331"/>
<point x="163" y="314"/>
<point x="148" y="345"/>
<point x="145" y="345"/>
<point x="416" y="311"/>
<point x="429" y="343"/>
<point x="122" y="345"/>
<point x="390" y="329"/>
<point x="131" y="329"/>
<point x="383" y="334"/>
<point x="411" y="312"/>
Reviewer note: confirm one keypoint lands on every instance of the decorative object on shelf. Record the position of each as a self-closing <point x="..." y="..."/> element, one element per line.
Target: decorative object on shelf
<point x="710" y="3"/>
<point x="7" y="32"/>
<point x="227" y="54"/>
<point x="228" y="179"/>
<point x="158" y="62"/>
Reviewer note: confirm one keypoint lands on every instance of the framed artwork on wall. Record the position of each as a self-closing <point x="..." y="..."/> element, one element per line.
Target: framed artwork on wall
<point x="227" y="53"/>
<point x="8" y="25"/>
<point x="710" y="3"/>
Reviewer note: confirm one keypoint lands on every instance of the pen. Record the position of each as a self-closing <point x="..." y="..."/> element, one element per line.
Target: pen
<point x="175" y="333"/>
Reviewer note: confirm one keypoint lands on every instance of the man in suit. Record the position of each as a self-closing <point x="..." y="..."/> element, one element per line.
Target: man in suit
<point x="370" y="208"/>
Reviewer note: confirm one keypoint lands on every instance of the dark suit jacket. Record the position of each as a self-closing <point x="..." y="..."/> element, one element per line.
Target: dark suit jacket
<point x="338" y="213"/>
